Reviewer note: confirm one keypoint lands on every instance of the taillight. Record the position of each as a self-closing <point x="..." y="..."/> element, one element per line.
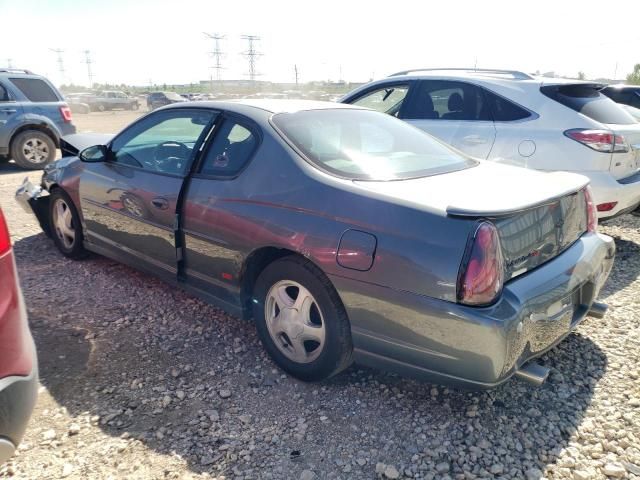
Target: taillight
<point x="599" y="140"/>
<point x="481" y="274"/>
<point x="592" y="214"/>
<point x="5" y="240"/>
<point x="606" y="206"/>
<point x="66" y="113"/>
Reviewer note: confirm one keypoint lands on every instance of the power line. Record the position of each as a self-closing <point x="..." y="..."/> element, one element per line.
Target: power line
<point x="60" y="62"/>
<point x="252" y="55"/>
<point x="88" y="61"/>
<point x="216" y="53"/>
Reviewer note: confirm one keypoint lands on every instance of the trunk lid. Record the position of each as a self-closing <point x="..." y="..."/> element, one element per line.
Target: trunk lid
<point x="538" y="214"/>
<point x="625" y="164"/>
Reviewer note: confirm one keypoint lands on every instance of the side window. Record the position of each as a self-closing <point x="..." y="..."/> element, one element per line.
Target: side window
<point x="445" y="100"/>
<point x="4" y="94"/>
<point x="388" y="99"/>
<point x="635" y="99"/>
<point x="230" y="150"/>
<point x="503" y="110"/>
<point x="35" y="89"/>
<point x="163" y="142"/>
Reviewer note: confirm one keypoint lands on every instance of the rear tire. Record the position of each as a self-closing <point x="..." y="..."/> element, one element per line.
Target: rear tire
<point x="66" y="228"/>
<point x="33" y="149"/>
<point x="308" y="336"/>
<point x="101" y="108"/>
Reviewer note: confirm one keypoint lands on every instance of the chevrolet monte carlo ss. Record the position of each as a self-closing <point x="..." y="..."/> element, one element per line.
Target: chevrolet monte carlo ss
<point x="346" y="234"/>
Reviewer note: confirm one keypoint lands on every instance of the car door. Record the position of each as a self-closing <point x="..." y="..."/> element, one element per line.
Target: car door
<point x="214" y="238"/>
<point x="455" y="112"/>
<point x="10" y="112"/>
<point x="129" y="203"/>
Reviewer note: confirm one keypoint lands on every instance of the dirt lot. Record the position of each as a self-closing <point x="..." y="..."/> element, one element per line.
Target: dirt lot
<point x="142" y="381"/>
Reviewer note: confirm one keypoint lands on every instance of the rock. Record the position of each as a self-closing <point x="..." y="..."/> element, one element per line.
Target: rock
<point x="497" y="468"/>
<point x="391" y="472"/>
<point x="224" y="393"/>
<point x="49" y="434"/>
<point x="584" y="474"/>
<point x="67" y="469"/>
<point x="166" y="400"/>
<point x="74" y="429"/>
<point x="442" y="467"/>
<point x="206" y="460"/>
<point x="307" y="475"/>
<point x="180" y="395"/>
<point x="614" y="470"/>
<point x="533" y="474"/>
<point x="380" y="468"/>
<point x="246" y="419"/>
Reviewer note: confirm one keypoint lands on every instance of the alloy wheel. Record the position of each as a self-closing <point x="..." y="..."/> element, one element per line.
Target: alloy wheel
<point x="63" y="223"/>
<point x="35" y="150"/>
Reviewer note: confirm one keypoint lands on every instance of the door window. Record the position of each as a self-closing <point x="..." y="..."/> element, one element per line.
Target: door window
<point x="163" y="142"/>
<point x="4" y="95"/>
<point x="388" y="99"/>
<point x="35" y="90"/>
<point x="445" y="100"/>
<point x="230" y="150"/>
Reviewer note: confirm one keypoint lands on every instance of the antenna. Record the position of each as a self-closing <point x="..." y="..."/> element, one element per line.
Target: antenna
<point x="60" y="62"/>
<point x="252" y="55"/>
<point x="88" y="61"/>
<point x="216" y="54"/>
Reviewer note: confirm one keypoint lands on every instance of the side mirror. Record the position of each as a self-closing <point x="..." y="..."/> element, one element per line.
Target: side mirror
<point x="97" y="153"/>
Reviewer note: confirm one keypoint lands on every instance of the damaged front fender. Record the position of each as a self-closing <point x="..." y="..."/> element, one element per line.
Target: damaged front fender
<point x="34" y="199"/>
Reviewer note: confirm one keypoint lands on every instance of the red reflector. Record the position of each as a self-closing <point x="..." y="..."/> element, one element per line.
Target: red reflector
<point x="227" y="276"/>
<point x="5" y="239"/>
<point x="606" y="207"/>
<point x="592" y="214"/>
<point x="66" y="113"/>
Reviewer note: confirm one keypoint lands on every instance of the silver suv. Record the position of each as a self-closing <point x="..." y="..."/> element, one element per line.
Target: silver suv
<point x="512" y="117"/>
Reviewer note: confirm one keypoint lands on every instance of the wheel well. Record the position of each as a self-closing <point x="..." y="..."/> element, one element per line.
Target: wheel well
<point x="253" y="267"/>
<point x="41" y="127"/>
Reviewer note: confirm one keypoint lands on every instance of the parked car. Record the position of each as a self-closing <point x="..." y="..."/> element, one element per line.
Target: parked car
<point x="625" y="94"/>
<point x="510" y="117"/>
<point x="112" y="100"/>
<point x="345" y="233"/>
<point x="160" y="99"/>
<point x="633" y="111"/>
<point x="33" y="117"/>
<point x="79" y="102"/>
<point x="18" y="363"/>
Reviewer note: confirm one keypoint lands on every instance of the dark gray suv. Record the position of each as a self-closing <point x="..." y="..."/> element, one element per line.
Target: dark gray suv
<point x="33" y="117"/>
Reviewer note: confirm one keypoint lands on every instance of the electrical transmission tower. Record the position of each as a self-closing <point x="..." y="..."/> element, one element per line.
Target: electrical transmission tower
<point x="88" y="61"/>
<point x="60" y="62"/>
<point x="9" y="63"/>
<point x="216" y="53"/>
<point x="252" y="55"/>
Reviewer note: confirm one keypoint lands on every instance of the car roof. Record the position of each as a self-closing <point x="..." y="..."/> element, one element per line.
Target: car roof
<point x="268" y="105"/>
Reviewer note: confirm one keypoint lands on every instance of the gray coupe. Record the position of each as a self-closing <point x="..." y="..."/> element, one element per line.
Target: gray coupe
<point x="346" y="234"/>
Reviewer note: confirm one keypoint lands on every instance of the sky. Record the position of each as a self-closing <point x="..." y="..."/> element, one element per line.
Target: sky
<point x="145" y="42"/>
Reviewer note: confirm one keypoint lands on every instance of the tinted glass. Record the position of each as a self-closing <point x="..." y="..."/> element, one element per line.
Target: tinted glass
<point x="635" y="99"/>
<point x="230" y="150"/>
<point x="172" y="96"/>
<point x="444" y="100"/>
<point x="35" y="89"/>
<point x="502" y="110"/>
<point x="386" y="100"/>
<point x="162" y="142"/>
<point x="590" y="102"/>
<point x="4" y="95"/>
<point x="365" y="145"/>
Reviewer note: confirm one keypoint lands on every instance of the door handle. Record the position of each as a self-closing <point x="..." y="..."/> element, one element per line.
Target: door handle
<point x="161" y="203"/>
<point x="474" y="140"/>
<point x="8" y="110"/>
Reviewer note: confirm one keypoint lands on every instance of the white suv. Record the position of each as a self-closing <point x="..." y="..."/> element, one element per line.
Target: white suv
<point x="511" y="117"/>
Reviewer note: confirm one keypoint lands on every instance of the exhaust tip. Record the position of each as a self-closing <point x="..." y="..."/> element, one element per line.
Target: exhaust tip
<point x="533" y="373"/>
<point x="598" y="310"/>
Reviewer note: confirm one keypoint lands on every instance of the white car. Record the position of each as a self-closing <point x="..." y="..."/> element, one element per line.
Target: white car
<point x="511" y="117"/>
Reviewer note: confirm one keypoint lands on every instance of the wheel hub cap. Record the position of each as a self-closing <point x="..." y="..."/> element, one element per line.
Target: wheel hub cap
<point x="35" y="150"/>
<point x="63" y="223"/>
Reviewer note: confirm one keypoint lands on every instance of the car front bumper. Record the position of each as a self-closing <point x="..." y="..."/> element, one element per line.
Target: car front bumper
<point x="34" y="200"/>
<point x="625" y="191"/>
<point x="473" y="347"/>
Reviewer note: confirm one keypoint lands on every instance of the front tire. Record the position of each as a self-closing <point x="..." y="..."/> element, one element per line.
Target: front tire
<point x="33" y="149"/>
<point x="66" y="229"/>
<point x="301" y="321"/>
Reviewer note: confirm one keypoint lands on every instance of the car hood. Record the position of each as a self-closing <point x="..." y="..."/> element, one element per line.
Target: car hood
<point x="71" y="145"/>
<point x="488" y="189"/>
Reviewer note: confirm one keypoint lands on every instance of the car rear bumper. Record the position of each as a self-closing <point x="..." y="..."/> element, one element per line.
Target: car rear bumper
<point x="477" y="348"/>
<point x="625" y="191"/>
<point x="18" y="396"/>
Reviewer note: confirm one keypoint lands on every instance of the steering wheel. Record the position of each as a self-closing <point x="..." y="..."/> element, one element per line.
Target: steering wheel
<point x="170" y="151"/>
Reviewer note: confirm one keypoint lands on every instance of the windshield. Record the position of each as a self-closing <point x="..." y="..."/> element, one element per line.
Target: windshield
<point x="172" y="96"/>
<point x="367" y="145"/>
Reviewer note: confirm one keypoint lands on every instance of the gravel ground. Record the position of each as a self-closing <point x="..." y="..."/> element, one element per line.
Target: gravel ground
<point x="142" y="381"/>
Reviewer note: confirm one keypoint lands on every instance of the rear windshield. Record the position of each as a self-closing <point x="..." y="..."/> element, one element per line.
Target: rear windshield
<point x="35" y="90"/>
<point x="588" y="100"/>
<point x="367" y="145"/>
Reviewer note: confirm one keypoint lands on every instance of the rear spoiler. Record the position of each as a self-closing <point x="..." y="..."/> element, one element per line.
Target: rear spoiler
<point x="71" y="145"/>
